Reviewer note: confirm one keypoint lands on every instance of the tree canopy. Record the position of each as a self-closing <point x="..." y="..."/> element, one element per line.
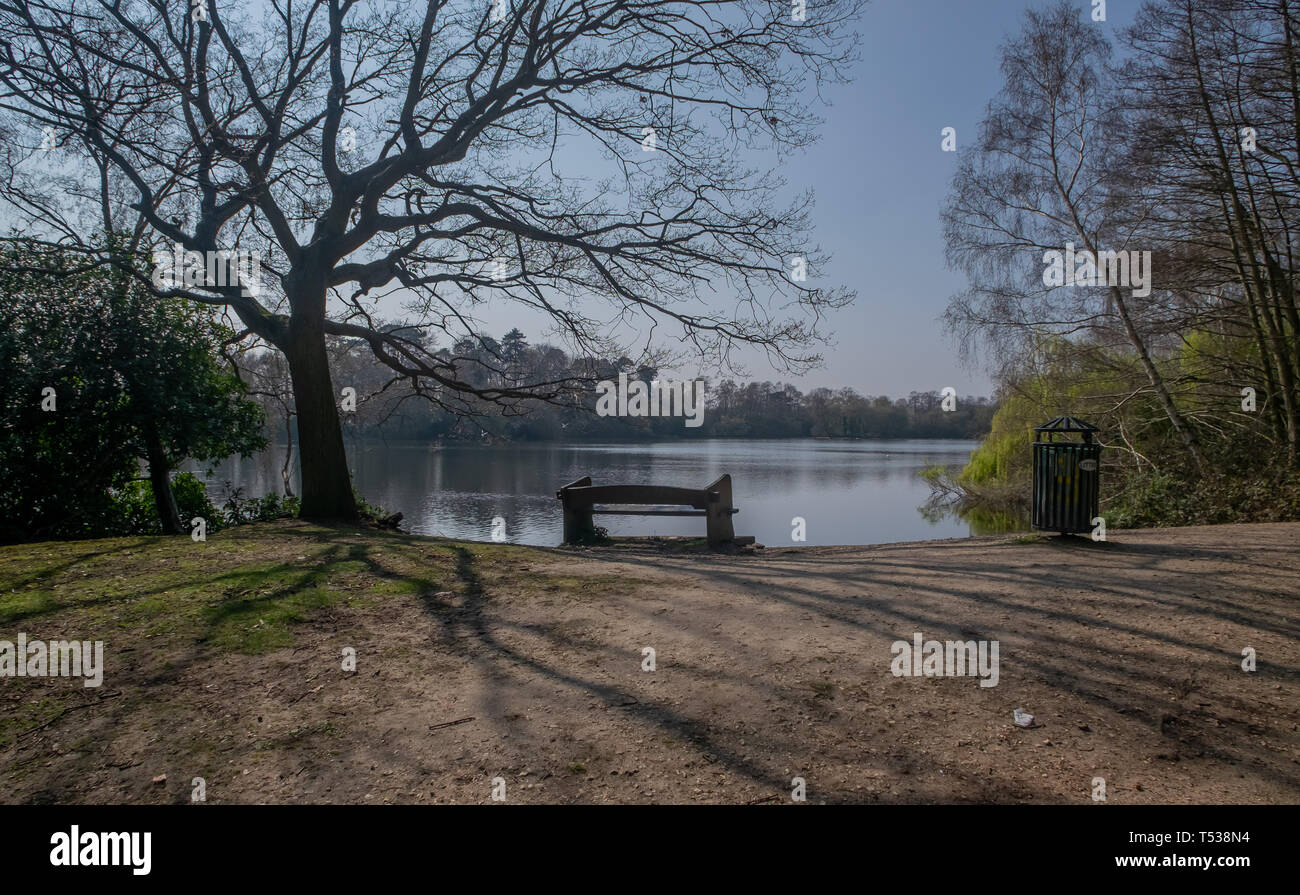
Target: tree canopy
<point x="102" y="374"/>
<point x="588" y="159"/>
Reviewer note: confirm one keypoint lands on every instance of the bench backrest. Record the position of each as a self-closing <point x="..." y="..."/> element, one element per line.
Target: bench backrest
<point x="584" y="494"/>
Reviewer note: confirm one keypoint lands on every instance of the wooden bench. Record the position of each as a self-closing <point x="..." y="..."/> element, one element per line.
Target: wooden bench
<point x="582" y="499"/>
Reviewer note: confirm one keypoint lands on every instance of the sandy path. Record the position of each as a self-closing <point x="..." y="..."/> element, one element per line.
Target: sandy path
<point x="768" y="667"/>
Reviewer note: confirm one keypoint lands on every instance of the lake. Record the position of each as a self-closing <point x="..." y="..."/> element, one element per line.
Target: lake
<point x="849" y="492"/>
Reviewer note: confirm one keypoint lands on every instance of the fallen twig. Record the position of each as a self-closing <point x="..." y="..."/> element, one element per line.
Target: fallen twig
<point x="308" y="693"/>
<point x="80" y="705"/>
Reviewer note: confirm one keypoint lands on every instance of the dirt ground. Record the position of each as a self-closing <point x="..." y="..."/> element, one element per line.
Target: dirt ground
<point x="528" y="667"/>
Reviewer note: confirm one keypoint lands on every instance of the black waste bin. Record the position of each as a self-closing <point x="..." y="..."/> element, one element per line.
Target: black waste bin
<point x="1066" y="476"/>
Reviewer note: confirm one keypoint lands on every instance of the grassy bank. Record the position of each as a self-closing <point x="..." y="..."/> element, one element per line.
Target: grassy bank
<point x="244" y="591"/>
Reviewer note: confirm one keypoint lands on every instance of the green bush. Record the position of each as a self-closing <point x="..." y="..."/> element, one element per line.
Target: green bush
<point x="132" y="511"/>
<point x="100" y="374"/>
<point x="267" y="508"/>
<point x="192" y="499"/>
<point x="1147" y="478"/>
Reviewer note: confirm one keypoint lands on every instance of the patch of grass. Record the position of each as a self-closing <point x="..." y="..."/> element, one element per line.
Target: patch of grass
<point x="299" y="735"/>
<point x="27" y="716"/>
<point x="1029" y="539"/>
<point x="247" y="587"/>
<point x="23" y="604"/>
<point x="255" y="613"/>
<point x="397" y="586"/>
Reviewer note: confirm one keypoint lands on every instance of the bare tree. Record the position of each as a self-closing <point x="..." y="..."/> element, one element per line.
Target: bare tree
<point x="1215" y="85"/>
<point x="453" y="152"/>
<point x="1042" y="175"/>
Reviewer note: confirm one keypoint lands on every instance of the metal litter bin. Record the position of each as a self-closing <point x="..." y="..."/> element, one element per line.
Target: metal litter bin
<point x="1066" y="476"/>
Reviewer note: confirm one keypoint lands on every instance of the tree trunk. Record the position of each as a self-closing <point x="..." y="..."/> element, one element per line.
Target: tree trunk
<point x="1244" y="246"/>
<point x="169" y="515"/>
<point x="286" y="470"/>
<point x="326" y="483"/>
<point x="1175" y="416"/>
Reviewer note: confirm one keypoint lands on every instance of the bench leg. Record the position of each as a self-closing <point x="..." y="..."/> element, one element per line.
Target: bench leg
<point x="579" y="526"/>
<point x="720" y="530"/>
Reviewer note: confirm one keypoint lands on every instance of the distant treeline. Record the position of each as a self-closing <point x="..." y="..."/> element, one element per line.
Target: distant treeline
<point x="389" y="408"/>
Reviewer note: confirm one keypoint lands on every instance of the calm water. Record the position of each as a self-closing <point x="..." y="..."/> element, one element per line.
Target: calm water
<point x="850" y="492"/>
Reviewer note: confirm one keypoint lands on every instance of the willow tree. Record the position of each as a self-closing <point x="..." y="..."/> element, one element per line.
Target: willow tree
<point x="589" y="159"/>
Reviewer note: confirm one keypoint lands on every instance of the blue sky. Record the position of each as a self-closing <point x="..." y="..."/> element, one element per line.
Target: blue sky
<point x="880" y="179"/>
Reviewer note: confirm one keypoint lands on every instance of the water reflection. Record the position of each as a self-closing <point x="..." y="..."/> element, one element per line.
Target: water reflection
<point x="860" y="492"/>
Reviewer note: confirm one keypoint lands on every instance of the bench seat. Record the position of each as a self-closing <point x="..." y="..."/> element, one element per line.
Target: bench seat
<point x="582" y="500"/>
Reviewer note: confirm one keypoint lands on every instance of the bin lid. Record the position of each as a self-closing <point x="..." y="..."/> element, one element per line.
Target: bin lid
<point x="1066" y="424"/>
